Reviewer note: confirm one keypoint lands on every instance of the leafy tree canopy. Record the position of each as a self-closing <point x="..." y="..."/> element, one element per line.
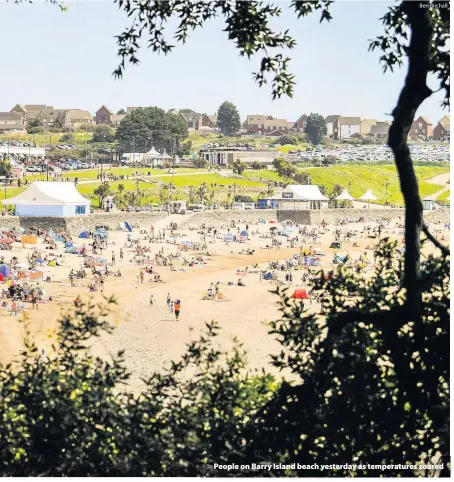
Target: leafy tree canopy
<point x="103" y="133"/>
<point x="316" y="128"/>
<point x="121" y="111"/>
<point x="5" y="168"/>
<point x="228" y="118"/>
<point x="150" y="127"/>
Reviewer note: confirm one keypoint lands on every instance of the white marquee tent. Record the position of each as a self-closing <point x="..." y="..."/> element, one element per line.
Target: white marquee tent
<point x="368" y="196"/>
<point x="302" y="197"/>
<point x="58" y="199"/>
<point x="345" y="196"/>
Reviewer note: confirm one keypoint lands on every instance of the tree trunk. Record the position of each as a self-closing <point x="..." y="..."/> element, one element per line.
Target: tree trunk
<point x="414" y="92"/>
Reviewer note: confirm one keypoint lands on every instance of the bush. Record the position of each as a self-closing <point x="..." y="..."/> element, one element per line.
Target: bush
<point x="36" y="130"/>
<point x="103" y="133"/>
<point x="68" y="137"/>
<point x="241" y="198"/>
<point x="287" y="139"/>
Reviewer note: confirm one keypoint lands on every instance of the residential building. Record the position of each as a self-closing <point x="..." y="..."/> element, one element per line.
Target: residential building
<point x="332" y="125"/>
<point x="267" y="125"/>
<point x="131" y="109"/>
<point x="30" y="111"/>
<point x="193" y="120"/>
<point x="300" y="124"/>
<point x="13" y="122"/>
<point x="380" y="130"/>
<point x="442" y="130"/>
<point x="349" y="127"/>
<point x="49" y="116"/>
<point x="115" y="119"/>
<point x="103" y="115"/>
<point x="421" y="129"/>
<point x="366" y="125"/>
<point x="209" y="122"/>
<point x="77" y="116"/>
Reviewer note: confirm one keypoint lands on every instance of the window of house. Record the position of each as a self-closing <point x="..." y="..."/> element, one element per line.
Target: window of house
<point x="80" y="209"/>
<point x="420" y="125"/>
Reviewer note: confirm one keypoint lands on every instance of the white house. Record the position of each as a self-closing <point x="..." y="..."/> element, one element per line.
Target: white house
<point x="301" y="197"/>
<point x="348" y="126"/>
<point x="54" y="199"/>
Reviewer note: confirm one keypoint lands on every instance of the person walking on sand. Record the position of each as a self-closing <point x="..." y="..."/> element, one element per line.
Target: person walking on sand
<point x="171" y="307"/>
<point x="177" y="308"/>
<point x="141" y="275"/>
<point x="121" y="254"/>
<point x="113" y="258"/>
<point x="34" y="301"/>
<point x="151" y="300"/>
<point x="169" y="299"/>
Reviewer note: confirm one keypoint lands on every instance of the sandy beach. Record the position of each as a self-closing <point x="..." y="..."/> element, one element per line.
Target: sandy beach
<point x="150" y="335"/>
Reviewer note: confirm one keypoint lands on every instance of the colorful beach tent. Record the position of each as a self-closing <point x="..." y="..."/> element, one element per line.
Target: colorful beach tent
<point x="243" y="233"/>
<point x="4" y="270"/>
<point x="83" y="234"/>
<point x="300" y="294"/>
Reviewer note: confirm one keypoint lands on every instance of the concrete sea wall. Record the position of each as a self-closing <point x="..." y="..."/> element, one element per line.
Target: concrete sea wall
<point x="75" y="225"/>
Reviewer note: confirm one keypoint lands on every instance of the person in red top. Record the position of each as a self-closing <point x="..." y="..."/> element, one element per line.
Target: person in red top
<point x="176" y="309"/>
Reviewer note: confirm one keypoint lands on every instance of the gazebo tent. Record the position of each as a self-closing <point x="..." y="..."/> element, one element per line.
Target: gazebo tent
<point x="56" y="199"/>
<point x="345" y="196"/>
<point x="368" y="196"/>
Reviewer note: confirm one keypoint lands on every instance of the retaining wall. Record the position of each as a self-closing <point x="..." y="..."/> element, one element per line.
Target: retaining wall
<point x="74" y="225"/>
<point x="226" y="216"/>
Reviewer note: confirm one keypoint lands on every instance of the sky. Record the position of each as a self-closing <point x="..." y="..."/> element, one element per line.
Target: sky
<point x="66" y="60"/>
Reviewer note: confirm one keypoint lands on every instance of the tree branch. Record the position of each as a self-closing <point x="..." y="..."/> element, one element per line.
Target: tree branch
<point x="444" y="250"/>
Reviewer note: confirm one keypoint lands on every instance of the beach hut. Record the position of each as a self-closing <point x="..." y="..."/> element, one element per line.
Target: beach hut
<point x="345" y="196"/>
<point x="57" y="199"/>
<point x="368" y="196"/>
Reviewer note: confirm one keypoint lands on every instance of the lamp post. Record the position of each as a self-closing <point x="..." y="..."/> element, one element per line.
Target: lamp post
<point x="386" y="193"/>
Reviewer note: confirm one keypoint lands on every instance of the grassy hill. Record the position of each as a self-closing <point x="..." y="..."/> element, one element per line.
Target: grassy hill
<point x="48" y="137"/>
<point x="360" y="178"/>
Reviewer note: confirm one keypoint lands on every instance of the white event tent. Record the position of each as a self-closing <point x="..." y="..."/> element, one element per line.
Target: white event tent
<point x="345" y="196"/>
<point x="368" y="196"/>
<point x="301" y="197"/>
<point x="55" y="199"/>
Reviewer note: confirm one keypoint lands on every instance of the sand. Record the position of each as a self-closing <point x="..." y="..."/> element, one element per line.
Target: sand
<point x="150" y="335"/>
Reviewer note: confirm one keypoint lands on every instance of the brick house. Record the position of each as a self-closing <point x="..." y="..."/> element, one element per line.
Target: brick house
<point x="266" y="124"/>
<point x="208" y="122"/>
<point x="442" y="130"/>
<point x="421" y="129"/>
<point x="332" y="125"/>
<point x="380" y="130"/>
<point x="103" y="115"/>
<point x="300" y="124"/>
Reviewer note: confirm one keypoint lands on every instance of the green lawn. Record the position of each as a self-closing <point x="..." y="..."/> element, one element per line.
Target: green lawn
<point x="444" y="196"/>
<point x="360" y="178"/>
<point x="116" y="171"/>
